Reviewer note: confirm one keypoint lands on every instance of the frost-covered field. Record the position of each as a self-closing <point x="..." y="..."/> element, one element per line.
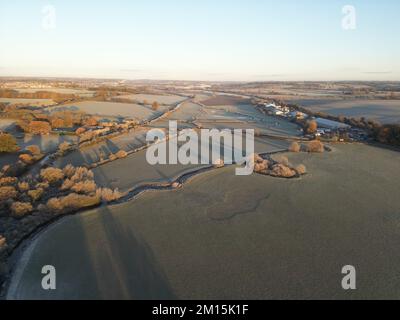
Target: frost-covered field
<point x="163" y="99"/>
<point x="384" y="111"/>
<point x="261" y="237"/>
<point x="32" y="102"/>
<point x="114" y="109"/>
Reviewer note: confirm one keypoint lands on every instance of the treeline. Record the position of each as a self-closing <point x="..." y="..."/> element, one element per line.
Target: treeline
<point x="387" y="133"/>
<point x="56" y="96"/>
<point x="37" y="122"/>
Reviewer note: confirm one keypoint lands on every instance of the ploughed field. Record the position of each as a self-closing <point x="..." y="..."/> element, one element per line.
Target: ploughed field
<point x="234" y="237"/>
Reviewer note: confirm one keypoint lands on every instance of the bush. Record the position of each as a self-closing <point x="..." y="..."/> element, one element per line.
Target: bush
<point x="91" y="122"/>
<point x="23" y="186"/>
<point x="36" y="194"/>
<point x="315" y="146"/>
<point x="7" y="193"/>
<point x="112" y="157"/>
<point x="57" y="123"/>
<point x="301" y="169"/>
<point x="67" y="184"/>
<point x="155" y="106"/>
<point x="6" y="181"/>
<point x="261" y="167"/>
<point x="294" y="147"/>
<point x="69" y="170"/>
<point x="52" y="175"/>
<point x="280" y="170"/>
<point x="20" y="209"/>
<point x="87" y="187"/>
<point x="108" y="195"/>
<point x="26" y="158"/>
<point x="311" y="127"/>
<point x="80" y="131"/>
<point x="8" y="143"/>
<point x="43" y="185"/>
<point x="72" y="201"/>
<point x="64" y="147"/>
<point x="39" y="127"/>
<point x="81" y="174"/>
<point x="121" y="154"/>
<point x="34" y="150"/>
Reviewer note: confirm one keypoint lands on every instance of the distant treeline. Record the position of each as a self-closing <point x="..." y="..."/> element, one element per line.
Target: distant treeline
<point x="383" y="133"/>
<point x="15" y="94"/>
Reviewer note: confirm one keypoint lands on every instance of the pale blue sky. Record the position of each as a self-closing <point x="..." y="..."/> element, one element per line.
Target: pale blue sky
<point x="250" y="40"/>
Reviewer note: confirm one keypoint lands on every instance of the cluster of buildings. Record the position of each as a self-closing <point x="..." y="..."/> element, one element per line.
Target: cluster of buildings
<point x="326" y="128"/>
<point x="283" y="111"/>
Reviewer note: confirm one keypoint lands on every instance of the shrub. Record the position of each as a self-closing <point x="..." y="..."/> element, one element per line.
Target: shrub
<point x="36" y="194"/>
<point x="121" y="154"/>
<point x="34" y="150"/>
<point x="256" y="158"/>
<point x="55" y="205"/>
<point x="280" y="170"/>
<point x="108" y="195"/>
<point x="51" y="174"/>
<point x="294" y="147"/>
<point x="67" y="184"/>
<point x="80" y="131"/>
<point x="261" y="167"/>
<point x="43" y="185"/>
<point x="315" y="146"/>
<point x="155" y="105"/>
<point x="72" y="201"/>
<point x="69" y="170"/>
<point x="112" y="157"/>
<point x="8" y="181"/>
<point x="57" y="123"/>
<point x="87" y="187"/>
<point x="39" y="127"/>
<point x="301" y="169"/>
<point x="91" y="122"/>
<point x="26" y="158"/>
<point x="81" y="174"/>
<point x="23" y="186"/>
<point x="8" y="143"/>
<point x="87" y="136"/>
<point x="64" y="147"/>
<point x="311" y="126"/>
<point x="20" y="209"/>
<point x="7" y="193"/>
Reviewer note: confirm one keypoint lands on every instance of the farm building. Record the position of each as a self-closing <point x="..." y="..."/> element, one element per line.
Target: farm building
<point x="332" y="125"/>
